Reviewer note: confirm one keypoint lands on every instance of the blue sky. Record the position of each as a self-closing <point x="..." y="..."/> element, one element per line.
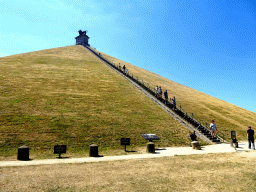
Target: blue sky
<point x="208" y="45"/>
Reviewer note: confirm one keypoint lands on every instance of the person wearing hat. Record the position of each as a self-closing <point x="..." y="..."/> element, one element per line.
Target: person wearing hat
<point x="213" y="128"/>
<point x="250" y="137"/>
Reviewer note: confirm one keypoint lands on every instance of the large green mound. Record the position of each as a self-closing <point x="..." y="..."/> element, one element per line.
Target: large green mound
<point x="66" y="96"/>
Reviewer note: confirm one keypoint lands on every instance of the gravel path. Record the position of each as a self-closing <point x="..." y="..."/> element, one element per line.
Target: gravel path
<point x="163" y="152"/>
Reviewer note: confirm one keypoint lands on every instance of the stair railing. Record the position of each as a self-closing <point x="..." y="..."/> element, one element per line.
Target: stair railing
<point x="151" y="89"/>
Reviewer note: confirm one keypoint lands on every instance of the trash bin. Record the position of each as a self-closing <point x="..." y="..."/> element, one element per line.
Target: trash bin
<point x="151" y="147"/>
<point x="23" y="153"/>
<point x="94" y="150"/>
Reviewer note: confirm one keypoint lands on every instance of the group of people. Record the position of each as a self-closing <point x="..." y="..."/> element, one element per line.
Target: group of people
<point x="213" y="129"/>
<point x="159" y="93"/>
<point x="250" y="135"/>
<point x="124" y="69"/>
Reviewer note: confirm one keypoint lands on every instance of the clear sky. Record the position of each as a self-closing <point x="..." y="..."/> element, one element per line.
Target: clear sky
<point x="208" y="45"/>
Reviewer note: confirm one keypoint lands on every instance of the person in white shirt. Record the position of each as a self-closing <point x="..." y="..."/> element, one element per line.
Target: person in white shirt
<point x="213" y="128"/>
<point x="156" y="88"/>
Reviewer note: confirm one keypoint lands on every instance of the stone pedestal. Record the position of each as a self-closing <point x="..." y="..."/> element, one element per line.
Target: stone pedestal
<point x="23" y="153"/>
<point x="195" y="145"/>
<point x="94" y="150"/>
<point x="231" y="143"/>
<point x="151" y="147"/>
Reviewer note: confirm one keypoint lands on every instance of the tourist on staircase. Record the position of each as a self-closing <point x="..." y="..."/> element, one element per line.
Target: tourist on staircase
<point x="156" y="89"/>
<point x="213" y="128"/>
<point x="166" y="97"/>
<point x="174" y="102"/>
<point x="160" y="92"/>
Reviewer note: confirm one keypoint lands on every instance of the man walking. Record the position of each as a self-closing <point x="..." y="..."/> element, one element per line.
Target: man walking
<point x="250" y="137"/>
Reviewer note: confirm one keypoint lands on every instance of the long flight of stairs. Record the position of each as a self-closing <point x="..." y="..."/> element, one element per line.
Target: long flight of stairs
<point x="190" y="122"/>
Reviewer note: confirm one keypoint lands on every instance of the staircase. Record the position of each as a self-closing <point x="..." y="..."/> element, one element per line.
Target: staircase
<point x="201" y="131"/>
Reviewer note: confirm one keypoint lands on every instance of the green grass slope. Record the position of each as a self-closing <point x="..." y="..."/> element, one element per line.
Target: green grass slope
<point x="228" y="117"/>
<point x="66" y="96"/>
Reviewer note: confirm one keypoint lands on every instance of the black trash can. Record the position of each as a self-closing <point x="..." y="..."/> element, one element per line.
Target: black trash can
<point x="151" y="147"/>
<point x="23" y="153"/>
<point x="93" y="150"/>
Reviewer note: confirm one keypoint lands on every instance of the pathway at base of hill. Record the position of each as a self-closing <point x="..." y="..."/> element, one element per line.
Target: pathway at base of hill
<point x="161" y="152"/>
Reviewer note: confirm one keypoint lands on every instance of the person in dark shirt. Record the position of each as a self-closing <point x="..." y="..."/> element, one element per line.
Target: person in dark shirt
<point x="166" y="96"/>
<point x="250" y="137"/>
<point x="235" y="142"/>
<point x="193" y="136"/>
<point x="174" y="103"/>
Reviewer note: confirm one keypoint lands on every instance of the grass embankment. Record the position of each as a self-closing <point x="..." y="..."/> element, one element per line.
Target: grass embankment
<point x="66" y="96"/>
<point x="228" y="116"/>
<point x="208" y="172"/>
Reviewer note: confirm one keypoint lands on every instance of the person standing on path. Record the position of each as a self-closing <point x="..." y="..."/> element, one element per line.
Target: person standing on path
<point x="213" y="128"/>
<point x="119" y="66"/>
<point x="250" y="137"/>
<point x="124" y="68"/>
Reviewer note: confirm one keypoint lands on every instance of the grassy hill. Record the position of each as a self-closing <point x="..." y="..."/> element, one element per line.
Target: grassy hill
<point x="227" y="116"/>
<point x="66" y="96"/>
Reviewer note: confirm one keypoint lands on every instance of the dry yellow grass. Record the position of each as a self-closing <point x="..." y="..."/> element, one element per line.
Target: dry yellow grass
<point x="228" y="116"/>
<point x="66" y="96"/>
<point x="209" y="172"/>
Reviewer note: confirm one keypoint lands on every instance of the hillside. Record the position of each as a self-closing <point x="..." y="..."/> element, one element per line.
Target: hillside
<point x="228" y="117"/>
<point x="66" y="96"/>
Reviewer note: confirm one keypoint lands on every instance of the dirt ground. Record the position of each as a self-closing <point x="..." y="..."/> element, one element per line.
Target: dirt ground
<point x="208" y="172"/>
